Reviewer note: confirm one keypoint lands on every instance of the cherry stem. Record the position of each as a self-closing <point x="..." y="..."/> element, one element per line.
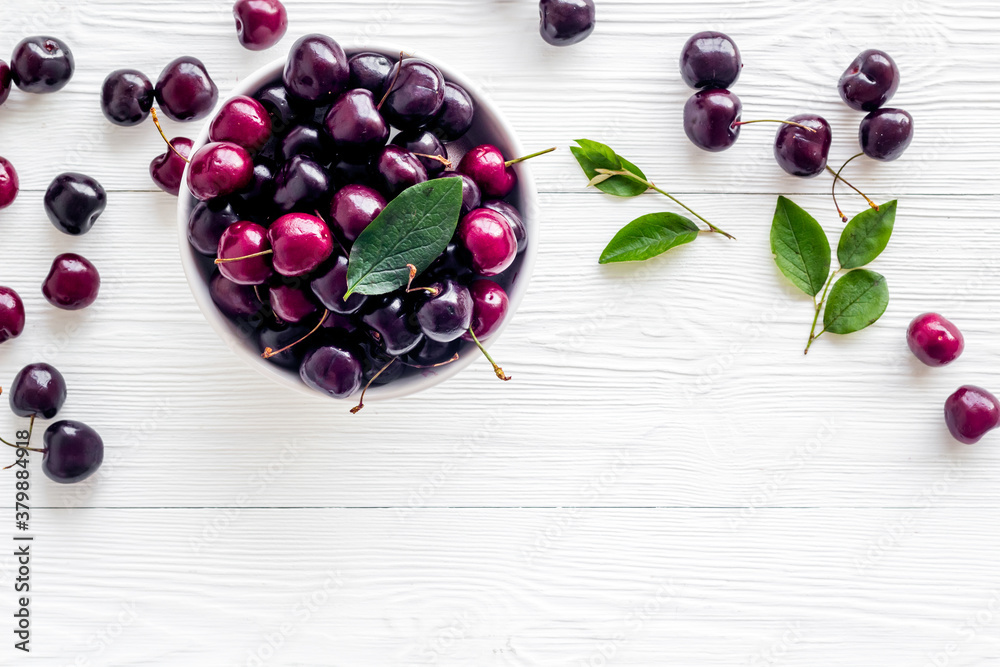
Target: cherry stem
<point x="638" y="179"/>
<point x="268" y="352"/>
<point x="433" y="291"/>
<point x="443" y="363"/>
<point x="511" y="163"/>
<point x="819" y="306"/>
<point x="496" y="368"/>
<point x="361" y="403"/>
<point x="31" y="428"/>
<point x="443" y="160"/>
<point x="240" y="259"/>
<point x="156" y="122"/>
<point x="770" y="120"/>
<point x="399" y="68"/>
<point x="838" y="177"/>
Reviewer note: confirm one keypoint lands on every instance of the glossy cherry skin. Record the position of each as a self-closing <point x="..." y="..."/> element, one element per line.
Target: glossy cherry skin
<point x="316" y="69"/>
<point x="243" y="121"/>
<point x="39" y="390"/>
<point x="258" y="197"/>
<point x="6" y="81"/>
<point x="870" y="81"/>
<point x="566" y="22"/>
<point x="801" y="152"/>
<point x="126" y="97"/>
<point x="354" y="207"/>
<point x="456" y="116"/>
<point x="300" y="183"/>
<point x="73" y="452"/>
<point x="355" y="125"/>
<point x="447" y="315"/>
<point x="375" y="358"/>
<point x="487" y="166"/>
<point x="233" y="300"/>
<point x="285" y="109"/>
<point x="490" y="306"/>
<point x="347" y="172"/>
<point x="934" y="340"/>
<point x="971" y="412"/>
<point x="710" y="118"/>
<point x="278" y="336"/>
<point x="206" y="224"/>
<point x="301" y="242"/>
<point x="260" y="24"/>
<point x="308" y="139"/>
<point x="431" y="353"/>
<point x="454" y="262"/>
<point x="291" y="304"/>
<point x="513" y="216"/>
<point x="710" y="60"/>
<point x="219" y="169"/>
<point x="420" y="143"/>
<point x="185" y="91"/>
<point x="72" y="284"/>
<point x="471" y="196"/>
<point x="9" y="184"/>
<point x="490" y="241"/>
<point x="11" y="314"/>
<point x="886" y="134"/>
<point x="41" y="64"/>
<point x="74" y="202"/>
<point x="332" y="370"/>
<point x="241" y="240"/>
<point x="370" y="71"/>
<point x="392" y="316"/>
<point x="331" y="286"/>
<point x="167" y="169"/>
<point x="398" y="169"/>
<point x="417" y="94"/>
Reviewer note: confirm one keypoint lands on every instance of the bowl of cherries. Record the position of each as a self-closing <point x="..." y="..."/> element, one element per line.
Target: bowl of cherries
<point x="357" y="222"/>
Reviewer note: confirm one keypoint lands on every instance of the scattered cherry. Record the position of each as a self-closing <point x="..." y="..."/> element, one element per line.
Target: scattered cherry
<point x="934" y="340"/>
<point x="260" y="24"/>
<point x="300" y="243"/>
<point x="126" y="97"/>
<point x="244" y="253"/>
<point x="490" y="305"/>
<point x="710" y="60"/>
<point x="74" y="202"/>
<point x="9" y="184"/>
<point x="446" y="314"/>
<point x="370" y="71"/>
<point x="73" y="452"/>
<point x="185" y="91"/>
<point x="870" y="81"/>
<point x="38" y="390"/>
<point x="416" y="94"/>
<point x="886" y="134"/>
<point x="316" y="69"/>
<point x="11" y="314"/>
<point x="711" y="118"/>
<point x="489" y="239"/>
<point x="219" y="169"/>
<point x="72" y="284"/>
<point x="41" y="64"/>
<point x="353" y="208"/>
<point x="566" y="22"/>
<point x="243" y="121"/>
<point x="167" y="169"/>
<point x="5" y="81"/>
<point x="355" y="125"/>
<point x="801" y="152"/>
<point x="971" y="412"/>
<point x="456" y="116"/>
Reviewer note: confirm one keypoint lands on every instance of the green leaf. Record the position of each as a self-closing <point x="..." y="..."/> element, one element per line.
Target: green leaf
<point x="413" y="229"/>
<point x="801" y="249"/>
<point x="866" y="236"/>
<point x="856" y="301"/>
<point x="593" y="156"/>
<point x="649" y="236"/>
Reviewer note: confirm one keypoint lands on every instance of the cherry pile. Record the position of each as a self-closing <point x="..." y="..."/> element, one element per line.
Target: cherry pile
<point x="292" y="175"/>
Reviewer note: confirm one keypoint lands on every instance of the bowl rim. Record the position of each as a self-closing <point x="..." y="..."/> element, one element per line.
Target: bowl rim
<point x="528" y="206"/>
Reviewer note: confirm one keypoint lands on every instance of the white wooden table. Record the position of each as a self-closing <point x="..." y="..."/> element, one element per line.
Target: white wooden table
<point x="667" y="480"/>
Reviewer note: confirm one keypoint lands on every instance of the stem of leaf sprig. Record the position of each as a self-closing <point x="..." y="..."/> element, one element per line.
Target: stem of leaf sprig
<point x="605" y="174"/>
<point x="496" y="368"/>
<point x="838" y="177"/>
<point x="819" y="308"/>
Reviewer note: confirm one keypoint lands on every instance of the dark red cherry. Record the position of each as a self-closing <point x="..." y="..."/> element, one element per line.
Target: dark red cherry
<point x="243" y="121"/>
<point x="72" y="283"/>
<point x="454" y="262"/>
<point x="260" y="24"/>
<point x="347" y="172"/>
<point x="167" y="169"/>
<point x="371" y="72"/>
<point x="316" y="69"/>
<point x="232" y="299"/>
<point x="353" y="208"/>
<point x="285" y="109"/>
<point x="219" y="169"/>
<point x="456" y="116"/>
<point x="243" y="239"/>
<point x="446" y="315"/>
<point x="5" y="81"/>
<point x="870" y="81"/>
<point x="74" y="202"/>
<point x="291" y="304"/>
<point x="566" y="22"/>
<point x="710" y="60"/>
<point x="301" y="183"/>
<point x="185" y="91"/>
<point x="490" y="241"/>
<point x="471" y="196"/>
<point x="490" y="305"/>
<point x="886" y="134"/>
<point x="73" y="452"/>
<point x="513" y="216"/>
<point x="801" y="152"/>
<point x="38" y="390"/>
<point x="432" y="353"/>
<point x="393" y="317"/>
<point x="710" y="118"/>
<point x="971" y="413"/>
<point x="398" y="169"/>
<point x="9" y="184"/>
<point x="126" y="97"/>
<point x="280" y="336"/>
<point x="207" y="222"/>
<point x="422" y="144"/>
<point x="308" y="139"/>
<point x="354" y="124"/>
<point x="301" y="242"/>
<point x="934" y="340"/>
<point x="331" y="286"/>
<point x="41" y="64"/>
<point x="332" y="370"/>
<point x="417" y="94"/>
<point x="487" y="166"/>
<point x="258" y="198"/>
<point x="11" y="314"/>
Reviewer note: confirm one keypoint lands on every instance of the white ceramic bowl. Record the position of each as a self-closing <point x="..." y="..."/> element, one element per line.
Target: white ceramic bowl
<point x="490" y="127"/>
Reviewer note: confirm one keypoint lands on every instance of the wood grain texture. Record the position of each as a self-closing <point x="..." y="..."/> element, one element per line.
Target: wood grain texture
<point x="667" y="480"/>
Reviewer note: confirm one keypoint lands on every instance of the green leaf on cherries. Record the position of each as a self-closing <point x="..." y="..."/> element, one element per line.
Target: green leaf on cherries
<point x="866" y="236"/>
<point x="649" y="236"/>
<point x="856" y="301"/>
<point x="801" y="249"/>
<point x="593" y="155"/>
<point x="414" y="228"/>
